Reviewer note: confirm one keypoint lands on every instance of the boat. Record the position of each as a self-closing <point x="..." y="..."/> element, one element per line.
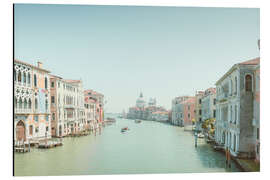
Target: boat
<point x="200" y="135"/>
<point x="124" y="129"/>
<point x="138" y="121"/>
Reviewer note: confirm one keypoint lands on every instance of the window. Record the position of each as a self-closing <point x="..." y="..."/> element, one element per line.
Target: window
<point x="188" y="107"/>
<point x="52" y="84"/>
<point x="248" y="84"/>
<point x="215" y="101"/>
<point x="31" y="130"/>
<point x="24" y="77"/>
<point x="29" y="78"/>
<point x="46" y="83"/>
<point x="235" y="85"/>
<point x="36" y="118"/>
<point x="36" y="130"/>
<point x="36" y="103"/>
<point x="15" y="75"/>
<point x="214" y="113"/>
<point x="235" y="114"/>
<point x="200" y="119"/>
<point x="188" y="115"/>
<point x="35" y="80"/>
<point x="15" y="102"/>
<point x="200" y="112"/>
<point x="53" y="116"/>
<point x="234" y="143"/>
<point x="20" y="76"/>
<point x="46" y="104"/>
<point x="25" y="104"/>
<point x="59" y="84"/>
<point x="47" y="118"/>
<point x="47" y="128"/>
<point x="258" y="133"/>
<point x="52" y="99"/>
<point x="231" y="113"/>
<point x="200" y="101"/>
<point x="20" y="103"/>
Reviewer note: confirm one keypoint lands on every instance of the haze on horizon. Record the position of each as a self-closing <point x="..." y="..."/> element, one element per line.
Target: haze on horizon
<point x="121" y="51"/>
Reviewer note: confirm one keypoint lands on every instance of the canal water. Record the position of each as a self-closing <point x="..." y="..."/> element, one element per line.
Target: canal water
<point x="148" y="147"/>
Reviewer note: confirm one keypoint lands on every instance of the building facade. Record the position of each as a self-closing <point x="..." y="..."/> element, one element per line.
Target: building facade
<point x="198" y="109"/>
<point x="31" y="102"/>
<point x="209" y="104"/>
<point x="234" y="127"/>
<point x="256" y="114"/>
<point x="178" y="110"/>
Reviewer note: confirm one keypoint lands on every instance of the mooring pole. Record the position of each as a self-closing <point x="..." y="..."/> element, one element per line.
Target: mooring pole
<point x="196" y="139"/>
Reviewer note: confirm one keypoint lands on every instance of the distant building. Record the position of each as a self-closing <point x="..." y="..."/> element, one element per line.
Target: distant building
<point x="141" y="111"/>
<point x="178" y="110"/>
<point x="99" y="99"/>
<point x="235" y="109"/>
<point x="198" y="109"/>
<point x="189" y="112"/>
<point x="209" y="104"/>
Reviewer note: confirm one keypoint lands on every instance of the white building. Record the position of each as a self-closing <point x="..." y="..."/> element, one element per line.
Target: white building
<point x="235" y="109"/>
<point x="67" y="106"/>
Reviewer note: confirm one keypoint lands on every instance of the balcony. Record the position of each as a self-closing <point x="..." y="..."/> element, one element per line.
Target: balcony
<point x="22" y="111"/>
<point x="222" y="97"/>
<point x="69" y="106"/>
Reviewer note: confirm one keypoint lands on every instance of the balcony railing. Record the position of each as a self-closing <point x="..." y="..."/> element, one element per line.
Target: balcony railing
<point x="69" y="106"/>
<point x="222" y="97"/>
<point x="24" y="111"/>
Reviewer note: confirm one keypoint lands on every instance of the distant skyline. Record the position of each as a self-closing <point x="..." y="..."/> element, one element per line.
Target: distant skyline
<point x="121" y="51"/>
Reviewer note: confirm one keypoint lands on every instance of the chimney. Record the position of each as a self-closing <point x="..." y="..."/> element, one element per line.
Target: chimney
<point x="39" y="64"/>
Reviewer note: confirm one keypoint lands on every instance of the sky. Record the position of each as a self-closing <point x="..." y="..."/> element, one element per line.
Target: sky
<point x="121" y="51"/>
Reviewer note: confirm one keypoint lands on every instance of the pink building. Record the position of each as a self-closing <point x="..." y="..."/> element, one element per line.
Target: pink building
<point x="99" y="99"/>
<point x="189" y="111"/>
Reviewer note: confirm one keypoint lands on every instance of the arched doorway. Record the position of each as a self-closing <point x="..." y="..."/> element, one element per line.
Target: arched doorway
<point x="20" y="131"/>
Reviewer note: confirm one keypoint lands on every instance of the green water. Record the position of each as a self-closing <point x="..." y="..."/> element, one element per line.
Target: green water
<point x="149" y="147"/>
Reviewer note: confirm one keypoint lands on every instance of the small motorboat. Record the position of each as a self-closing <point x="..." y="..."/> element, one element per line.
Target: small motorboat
<point x="138" y="121"/>
<point x="124" y="129"/>
<point x="200" y="135"/>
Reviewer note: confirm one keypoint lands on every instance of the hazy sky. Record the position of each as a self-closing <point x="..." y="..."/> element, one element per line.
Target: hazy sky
<point x="120" y="51"/>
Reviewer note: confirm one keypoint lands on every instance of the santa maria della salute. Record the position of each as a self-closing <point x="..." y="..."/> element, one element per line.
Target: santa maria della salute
<point x="149" y="111"/>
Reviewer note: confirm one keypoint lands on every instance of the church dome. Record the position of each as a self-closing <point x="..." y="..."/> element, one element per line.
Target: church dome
<point x="140" y="101"/>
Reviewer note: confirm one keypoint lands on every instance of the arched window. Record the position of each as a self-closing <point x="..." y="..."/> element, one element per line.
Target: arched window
<point x="20" y="76"/>
<point x="24" y="77"/>
<point x="248" y="79"/>
<point x="29" y="78"/>
<point x="35" y="80"/>
<point x="20" y="103"/>
<point x="25" y="104"/>
<point x="46" y="83"/>
<point x="15" y="102"/>
<point x="36" y="103"/>
<point x="235" y="85"/>
<point x="46" y="104"/>
<point x="15" y="75"/>
<point x="29" y="104"/>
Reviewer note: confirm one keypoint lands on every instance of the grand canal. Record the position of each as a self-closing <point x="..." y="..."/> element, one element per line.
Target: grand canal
<point x="149" y="147"/>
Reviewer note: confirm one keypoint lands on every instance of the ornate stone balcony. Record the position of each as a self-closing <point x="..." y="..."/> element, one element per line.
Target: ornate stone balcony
<point x="22" y="111"/>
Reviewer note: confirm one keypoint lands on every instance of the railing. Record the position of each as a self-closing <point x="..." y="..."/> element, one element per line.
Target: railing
<point x="23" y="110"/>
<point x="69" y="106"/>
<point x="222" y="96"/>
<point x="16" y="83"/>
